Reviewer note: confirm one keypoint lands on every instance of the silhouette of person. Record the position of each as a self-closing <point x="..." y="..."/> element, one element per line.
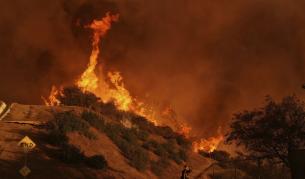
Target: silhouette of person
<point x="185" y="172"/>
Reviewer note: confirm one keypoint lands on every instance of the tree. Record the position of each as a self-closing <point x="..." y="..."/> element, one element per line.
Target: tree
<point x="272" y="131"/>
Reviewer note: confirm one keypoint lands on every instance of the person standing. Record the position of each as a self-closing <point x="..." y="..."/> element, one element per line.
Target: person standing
<point x="185" y="172"/>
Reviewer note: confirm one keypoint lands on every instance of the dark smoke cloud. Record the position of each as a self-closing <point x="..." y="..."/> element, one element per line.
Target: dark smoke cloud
<point x="207" y="58"/>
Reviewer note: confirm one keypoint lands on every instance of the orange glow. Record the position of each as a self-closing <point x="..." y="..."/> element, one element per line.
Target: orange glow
<point x="207" y="145"/>
<point x="185" y="130"/>
<point x="119" y="93"/>
<point x="113" y="89"/>
<point x="89" y="80"/>
<point x="109" y="86"/>
<point x="52" y="99"/>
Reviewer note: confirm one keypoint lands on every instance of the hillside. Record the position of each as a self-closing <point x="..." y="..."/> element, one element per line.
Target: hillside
<point x="29" y="120"/>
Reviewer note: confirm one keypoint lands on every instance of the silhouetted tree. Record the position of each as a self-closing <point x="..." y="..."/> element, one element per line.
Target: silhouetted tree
<point x="271" y="131"/>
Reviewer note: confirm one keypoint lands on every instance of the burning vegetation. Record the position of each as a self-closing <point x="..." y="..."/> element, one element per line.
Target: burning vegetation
<point x="109" y="87"/>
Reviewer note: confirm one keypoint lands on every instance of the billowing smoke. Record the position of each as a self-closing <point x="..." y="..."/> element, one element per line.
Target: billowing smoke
<point x="207" y="59"/>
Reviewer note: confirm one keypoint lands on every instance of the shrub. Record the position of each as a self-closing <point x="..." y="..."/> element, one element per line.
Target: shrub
<point x="137" y="156"/>
<point x="143" y="123"/>
<point x="158" y="167"/>
<point x="71" y="154"/>
<point x="97" y="162"/>
<point x="130" y="136"/>
<point x="113" y="130"/>
<point x="55" y="137"/>
<point x="150" y="145"/>
<point x="143" y="135"/>
<point x="74" y="96"/>
<point x="110" y="110"/>
<point x="160" y="151"/>
<point x="165" y="132"/>
<point x="94" y="120"/>
<point x="169" y="146"/>
<point x="68" y="122"/>
<point x="183" y="142"/>
<point x="63" y="123"/>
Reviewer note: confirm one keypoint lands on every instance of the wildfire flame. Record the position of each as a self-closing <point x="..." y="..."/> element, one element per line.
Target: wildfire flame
<point x="208" y="145"/>
<point x="52" y="99"/>
<point x="112" y="88"/>
<point x="89" y="80"/>
<point x="185" y="130"/>
<point x="119" y="93"/>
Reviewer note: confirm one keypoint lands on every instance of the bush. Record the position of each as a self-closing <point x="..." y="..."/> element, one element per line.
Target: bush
<point x="108" y="109"/>
<point x="165" y="132"/>
<point x="68" y="122"/>
<point x="150" y="145"/>
<point x="130" y="136"/>
<point x="160" y="151"/>
<point x="63" y="123"/>
<point x="170" y="146"/>
<point x="113" y="130"/>
<point x="143" y="135"/>
<point x="158" y="167"/>
<point x="97" y="162"/>
<point x="183" y="142"/>
<point x="175" y="157"/>
<point x="55" y="137"/>
<point x="94" y="120"/>
<point x="71" y="154"/>
<point x="137" y="156"/>
<point x="74" y="96"/>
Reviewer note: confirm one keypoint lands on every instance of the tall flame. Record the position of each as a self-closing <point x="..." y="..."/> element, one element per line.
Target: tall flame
<point x="89" y="80"/>
<point x="119" y="93"/>
<point x="112" y="88"/>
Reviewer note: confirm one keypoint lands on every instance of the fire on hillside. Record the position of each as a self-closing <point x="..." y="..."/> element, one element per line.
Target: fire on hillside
<point x="109" y="86"/>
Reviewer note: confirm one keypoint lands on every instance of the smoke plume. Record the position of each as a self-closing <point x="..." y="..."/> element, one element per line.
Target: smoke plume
<point x="205" y="58"/>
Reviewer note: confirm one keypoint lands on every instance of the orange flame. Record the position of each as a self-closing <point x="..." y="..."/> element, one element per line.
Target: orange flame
<point x="89" y="80"/>
<point x="52" y="99"/>
<point x="113" y="89"/>
<point x="119" y="93"/>
<point x="185" y="130"/>
<point x="207" y="145"/>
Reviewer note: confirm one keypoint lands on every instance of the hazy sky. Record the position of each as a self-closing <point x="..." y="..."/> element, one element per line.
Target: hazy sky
<point x="206" y="58"/>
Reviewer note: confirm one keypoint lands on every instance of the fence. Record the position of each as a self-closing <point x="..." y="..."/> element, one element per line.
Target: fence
<point x="245" y="169"/>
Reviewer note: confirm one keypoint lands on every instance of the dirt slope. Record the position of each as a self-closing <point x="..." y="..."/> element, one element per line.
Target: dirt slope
<point x="25" y="120"/>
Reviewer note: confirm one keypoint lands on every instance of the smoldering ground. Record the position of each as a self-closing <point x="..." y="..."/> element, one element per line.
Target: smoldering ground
<point x="208" y="59"/>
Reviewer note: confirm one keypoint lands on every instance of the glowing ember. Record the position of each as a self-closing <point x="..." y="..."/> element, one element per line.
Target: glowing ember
<point x="207" y="145"/>
<point x="52" y="99"/>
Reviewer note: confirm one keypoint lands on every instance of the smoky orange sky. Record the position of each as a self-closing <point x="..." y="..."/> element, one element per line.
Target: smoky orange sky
<point x="207" y="58"/>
